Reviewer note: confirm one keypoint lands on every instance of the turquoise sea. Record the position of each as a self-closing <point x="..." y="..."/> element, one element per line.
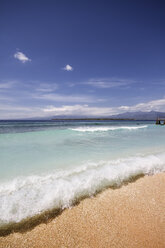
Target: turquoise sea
<point x="48" y="164"/>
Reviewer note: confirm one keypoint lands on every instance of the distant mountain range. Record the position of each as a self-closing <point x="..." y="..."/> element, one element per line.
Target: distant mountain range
<point x="152" y="115"/>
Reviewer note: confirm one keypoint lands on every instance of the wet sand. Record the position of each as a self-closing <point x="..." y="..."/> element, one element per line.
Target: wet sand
<point x="132" y="216"/>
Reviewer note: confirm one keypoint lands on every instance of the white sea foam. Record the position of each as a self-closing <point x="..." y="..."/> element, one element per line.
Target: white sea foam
<point x="27" y="196"/>
<point x="106" y="128"/>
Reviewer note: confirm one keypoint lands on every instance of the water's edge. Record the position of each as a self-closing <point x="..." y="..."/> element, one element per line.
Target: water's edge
<point x="46" y="216"/>
<point x="46" y="167"/>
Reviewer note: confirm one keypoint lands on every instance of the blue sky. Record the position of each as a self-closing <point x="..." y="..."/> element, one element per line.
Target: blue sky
<point x="93" y="58"/>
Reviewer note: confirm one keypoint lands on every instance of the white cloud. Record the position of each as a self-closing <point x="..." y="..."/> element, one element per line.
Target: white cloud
<point x="22" y="57"/>
<point x="68" y="68"/>
<point x="85" y="110"/>
<point x="79" y="110"/>
<point x="156" y="105"/>
<point x="12" y="111"/>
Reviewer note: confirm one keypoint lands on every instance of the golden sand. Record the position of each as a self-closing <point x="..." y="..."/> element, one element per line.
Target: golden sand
<point x="132" y="216"/>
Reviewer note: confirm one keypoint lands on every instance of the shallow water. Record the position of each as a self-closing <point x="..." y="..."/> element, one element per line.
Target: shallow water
<point x="49" y="164"/>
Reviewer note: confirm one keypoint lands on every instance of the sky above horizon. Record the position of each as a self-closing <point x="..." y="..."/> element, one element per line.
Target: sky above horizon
<point x="90" y="58"/>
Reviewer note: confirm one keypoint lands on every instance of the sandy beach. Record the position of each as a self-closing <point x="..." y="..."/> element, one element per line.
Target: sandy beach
<point x="131" y="216"/>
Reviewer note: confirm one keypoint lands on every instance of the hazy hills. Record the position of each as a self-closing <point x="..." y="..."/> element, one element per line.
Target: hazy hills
<point x="152" y="115"/>
<point x="140" y="115"/>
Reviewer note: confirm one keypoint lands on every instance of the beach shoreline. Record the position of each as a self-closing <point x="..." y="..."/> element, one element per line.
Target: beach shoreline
<point x="130" y="216"/>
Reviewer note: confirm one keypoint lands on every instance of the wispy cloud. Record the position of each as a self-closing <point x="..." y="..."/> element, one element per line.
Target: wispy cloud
<point x="68" y="68"/>
<point x="28" y="99"/>
<point x="6" y="88"/>
<point x="7" y="84"/>
<point x="64" y="98"/>
<point x="42" y="92"/>
<point x="21" y="57"/>
<point x="10" y="111"/>
<point x="6" y="99"/>
<point x="47" y="87"/>
<point x="109" y="82"/>
<point x="105" y="83"/>
<point x="20" y="112"/>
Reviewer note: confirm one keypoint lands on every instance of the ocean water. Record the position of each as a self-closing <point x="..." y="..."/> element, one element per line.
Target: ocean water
<point x="48" y="165"/>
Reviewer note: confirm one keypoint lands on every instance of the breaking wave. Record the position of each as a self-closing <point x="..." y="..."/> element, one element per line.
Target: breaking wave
<point x="26" y="197"/>
<point x="97" y="129"/>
